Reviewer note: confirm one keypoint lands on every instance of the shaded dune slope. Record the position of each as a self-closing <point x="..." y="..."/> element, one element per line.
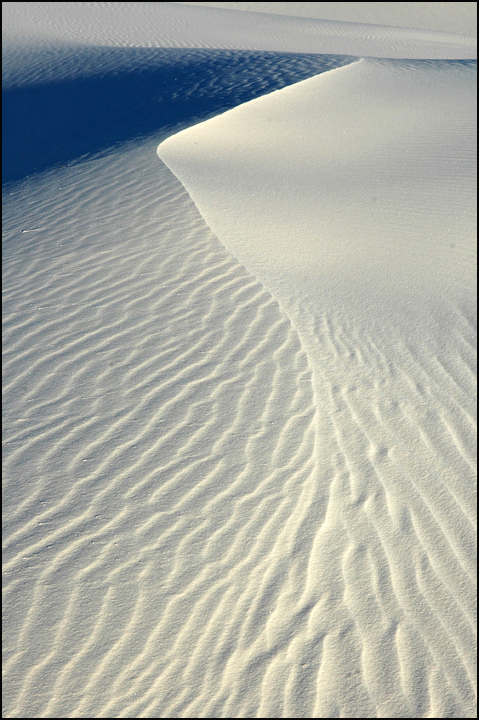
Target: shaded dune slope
<point x="65" y="103"/>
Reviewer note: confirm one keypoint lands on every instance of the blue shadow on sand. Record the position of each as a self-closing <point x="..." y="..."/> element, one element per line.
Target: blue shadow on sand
<point x="111" y="95"/>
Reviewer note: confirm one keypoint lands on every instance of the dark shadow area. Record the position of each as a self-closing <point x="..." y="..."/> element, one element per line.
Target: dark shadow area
<point x="123" y="93"/>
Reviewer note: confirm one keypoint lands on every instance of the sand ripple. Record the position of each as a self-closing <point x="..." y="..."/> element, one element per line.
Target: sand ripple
<point x="217" y="504"/>
<point x="156" y="450"/>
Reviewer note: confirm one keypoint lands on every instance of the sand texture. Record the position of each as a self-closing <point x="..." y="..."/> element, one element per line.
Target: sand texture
<point x="239" y="381"/>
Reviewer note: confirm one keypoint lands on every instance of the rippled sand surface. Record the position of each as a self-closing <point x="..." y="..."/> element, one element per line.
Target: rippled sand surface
<point x="239" y="366"/>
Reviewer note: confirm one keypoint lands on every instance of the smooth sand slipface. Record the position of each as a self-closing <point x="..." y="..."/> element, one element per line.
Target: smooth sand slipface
<point x="239" y="426"/>
<point x="352" y="190"/>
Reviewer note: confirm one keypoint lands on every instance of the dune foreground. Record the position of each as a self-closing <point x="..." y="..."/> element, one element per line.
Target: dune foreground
<point x="239" y="365"/>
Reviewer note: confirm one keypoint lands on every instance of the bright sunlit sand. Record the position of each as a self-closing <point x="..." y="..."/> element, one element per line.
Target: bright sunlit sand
<point x="239" y="381"/>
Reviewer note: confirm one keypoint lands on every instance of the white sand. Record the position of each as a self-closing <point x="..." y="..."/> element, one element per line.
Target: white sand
<point x="455" y="17"/>
<point x="239" y="409"/>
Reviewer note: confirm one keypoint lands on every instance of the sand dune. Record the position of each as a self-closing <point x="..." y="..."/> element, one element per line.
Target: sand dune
<point x="460" y="17"/>
<point x="239" y="410"/>
<point x="371" y="294"/>
<point x="166" y="421"/>
<point x="367" y="170"/>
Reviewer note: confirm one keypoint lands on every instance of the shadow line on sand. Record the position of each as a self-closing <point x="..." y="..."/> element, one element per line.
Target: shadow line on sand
<point x="112" y="95"/>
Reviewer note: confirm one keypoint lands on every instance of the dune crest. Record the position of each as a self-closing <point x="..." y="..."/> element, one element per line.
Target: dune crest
<point x="348" y="195"/>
